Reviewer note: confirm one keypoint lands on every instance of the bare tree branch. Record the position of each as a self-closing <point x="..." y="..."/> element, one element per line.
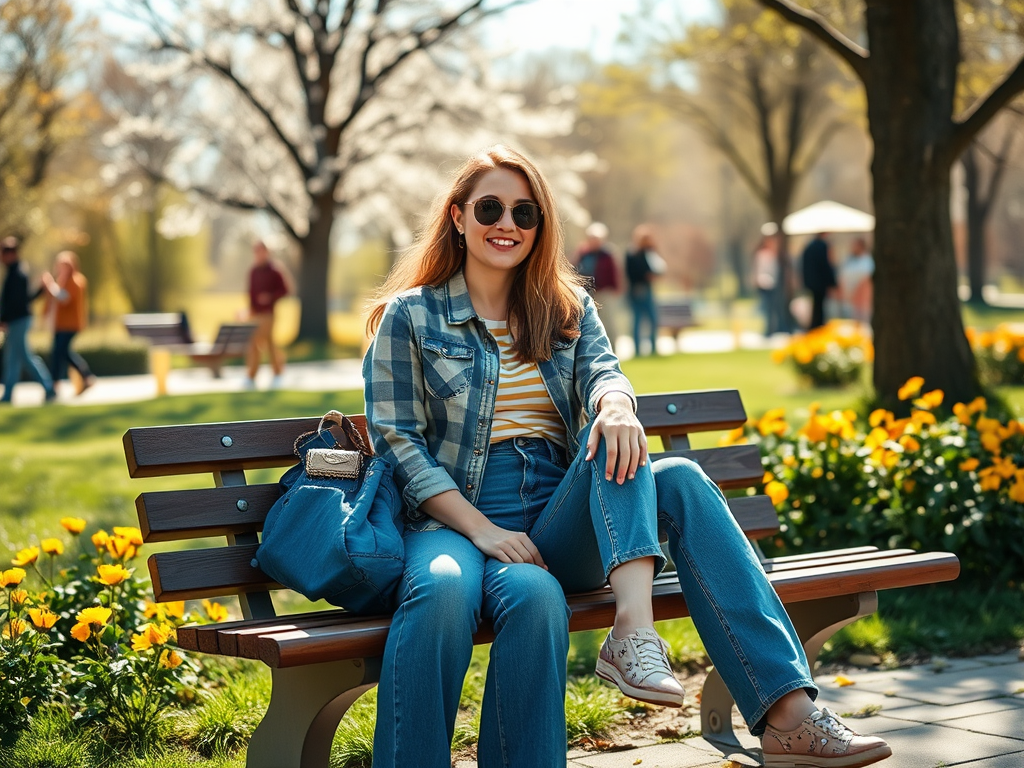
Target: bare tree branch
<point x="815" y="24"/>
<point x="985" y="108"/>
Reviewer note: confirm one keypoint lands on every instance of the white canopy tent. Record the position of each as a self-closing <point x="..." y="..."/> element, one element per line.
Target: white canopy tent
<point x="827" y="216"/>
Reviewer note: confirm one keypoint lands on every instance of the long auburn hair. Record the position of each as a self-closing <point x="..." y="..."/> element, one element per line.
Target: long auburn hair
<point x="544" y="305"/>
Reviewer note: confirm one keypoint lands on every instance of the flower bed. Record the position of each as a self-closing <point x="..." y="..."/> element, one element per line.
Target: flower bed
<point x="830" y="356"/>
<point x="76" y="630"/>
<point x="1000" y="353"/>
<point x="955" y="483"/>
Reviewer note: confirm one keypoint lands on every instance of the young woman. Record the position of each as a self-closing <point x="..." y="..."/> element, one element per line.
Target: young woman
<point x="492" y="390"/>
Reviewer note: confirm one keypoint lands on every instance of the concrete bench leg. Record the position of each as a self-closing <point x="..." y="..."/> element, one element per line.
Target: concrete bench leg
<point x="815" y="622"/>
<point x="306" y="705"/>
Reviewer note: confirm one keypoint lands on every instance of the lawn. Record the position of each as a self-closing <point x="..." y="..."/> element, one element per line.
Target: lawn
<point x="63" y="461"/>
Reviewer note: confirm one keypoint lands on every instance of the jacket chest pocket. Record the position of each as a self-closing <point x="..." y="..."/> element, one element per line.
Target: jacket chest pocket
<point x="564" y="355"/>
<point x="447" y="367"/>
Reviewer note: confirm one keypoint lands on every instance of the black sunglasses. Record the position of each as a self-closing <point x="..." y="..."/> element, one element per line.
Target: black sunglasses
<point x="488" y="211"/>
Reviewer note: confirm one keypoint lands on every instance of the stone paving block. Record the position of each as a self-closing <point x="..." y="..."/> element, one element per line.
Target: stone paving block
<point x="1012" y="760"/>
<point x="928" y="746"/>
<point x="1009" y="722"/>
<point x="928" y="713"/>
<point x="950" y="687"/>
<point x="672" y="755"/>
<point x="1009" y="657"/>
<point x="854" y="697"/>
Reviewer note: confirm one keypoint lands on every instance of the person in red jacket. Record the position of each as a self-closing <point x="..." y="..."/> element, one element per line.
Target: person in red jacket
<point x="267" y="285"/>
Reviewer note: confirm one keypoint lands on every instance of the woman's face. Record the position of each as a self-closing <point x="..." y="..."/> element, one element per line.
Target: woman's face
<point x="502" y="246"/>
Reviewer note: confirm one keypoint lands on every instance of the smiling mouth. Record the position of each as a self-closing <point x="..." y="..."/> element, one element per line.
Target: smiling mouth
<point x="502" y="242"/>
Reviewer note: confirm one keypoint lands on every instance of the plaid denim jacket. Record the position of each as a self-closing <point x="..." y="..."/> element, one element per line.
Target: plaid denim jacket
<point x="431" y="378"/>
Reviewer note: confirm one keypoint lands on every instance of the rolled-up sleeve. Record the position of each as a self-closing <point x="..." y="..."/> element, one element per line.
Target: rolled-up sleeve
<point x="396" y="417"/>
<point x="597" y="367"/>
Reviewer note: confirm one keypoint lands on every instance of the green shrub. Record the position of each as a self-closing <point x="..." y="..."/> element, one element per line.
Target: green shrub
<point x="227" y="717"/>
<point x="955" y="483"/>
<point x="123" y="358"/>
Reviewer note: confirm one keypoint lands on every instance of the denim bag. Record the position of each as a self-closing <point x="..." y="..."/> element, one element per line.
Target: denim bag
<point x="334" y="534"/>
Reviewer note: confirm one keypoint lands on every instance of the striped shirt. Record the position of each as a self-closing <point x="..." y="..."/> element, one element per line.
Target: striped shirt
<point x="523" y="407"/>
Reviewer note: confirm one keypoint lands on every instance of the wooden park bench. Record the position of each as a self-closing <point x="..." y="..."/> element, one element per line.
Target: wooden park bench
<point x="168" y="333"/>
<point x="321" y="661"/>
<point x="675" y="316"/>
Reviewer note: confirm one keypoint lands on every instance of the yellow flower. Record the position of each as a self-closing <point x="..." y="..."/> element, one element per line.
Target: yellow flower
<point x="12" y="577"/>
<point x="140" y="641"/>
<point x="95" y="615"/>
<point x="876" y="437"/>
<point x="52" y="546"/>
<point x="773" y="422"/>
<point x="930" y="400"/>
<point x="969" y="465"/>
<point x="215" y="611"/>
<point x="175" y="609"/>
<point x="909" y="485"/>
<point x="910" y="443"/>
<point x="81" y="632"/>
<point x="153" y="610"/>
<point x="15" y="627"/>
<point x="134" y="535"/>
<point x="880" y="417"/>
<point x="777" y="492"/>
<point x="817" y="472"/>
<point x="170" y="659"/>
<point x="978" y="405"/>
<point x="962" y="413"/>
<point x="19" y="596"/>
<point x="113" y="574"/>
<point x="99" y="540"/>
<point x="120" y="547"/>
<point x="991" y="442"/>
<point x="73" y="525"/>
<point x="1017" y="492"/>
<point x="43" y="618"/>
<point x="26" y="556"/>
<point x="736" y="436"/>
<point x="816" y="429"/>
<point x="911" y="388"/>
<point x="150" y="635"/>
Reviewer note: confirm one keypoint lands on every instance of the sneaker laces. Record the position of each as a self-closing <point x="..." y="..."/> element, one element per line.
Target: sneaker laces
<point x="833" y="726"/>
<point x="650" y="652"/>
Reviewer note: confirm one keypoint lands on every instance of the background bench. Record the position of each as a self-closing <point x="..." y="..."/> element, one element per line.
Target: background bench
<point x="169" y="333"/>
<point x="321" y="661"/>
<point x="676" y="315"/>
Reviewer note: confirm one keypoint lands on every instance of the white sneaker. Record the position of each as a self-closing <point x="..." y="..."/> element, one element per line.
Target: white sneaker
<point x="277" y="381"/>
<point x="249" y="385"/>
<point x="638" y="665"/>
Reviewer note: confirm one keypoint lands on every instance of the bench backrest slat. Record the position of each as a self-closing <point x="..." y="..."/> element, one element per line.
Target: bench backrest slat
<point x="197" y="573"/>
<point x="233" y="338"/>
<point x="194" y="448"/>
<point x="195" y="513"/>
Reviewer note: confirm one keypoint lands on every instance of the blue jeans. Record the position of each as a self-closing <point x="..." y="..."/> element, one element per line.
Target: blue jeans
<point x="641" y="301"/>
<point x="17" y="356"/>
<point x="63" y="356"/>
<point x="583" y="526"/>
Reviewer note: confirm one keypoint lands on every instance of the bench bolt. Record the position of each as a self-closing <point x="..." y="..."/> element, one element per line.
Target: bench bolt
<point x="242" y="505"/>
<point x="226" y="441"/>
<point x="671" y="408"/>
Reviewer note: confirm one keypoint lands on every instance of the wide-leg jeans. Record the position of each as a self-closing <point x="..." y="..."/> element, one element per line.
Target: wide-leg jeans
<point x="584" y="526"/>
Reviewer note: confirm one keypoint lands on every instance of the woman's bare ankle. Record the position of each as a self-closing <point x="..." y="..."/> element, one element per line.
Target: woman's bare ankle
<point x="791" y="710"/>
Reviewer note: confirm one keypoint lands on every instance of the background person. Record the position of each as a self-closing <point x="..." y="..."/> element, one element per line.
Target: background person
<point x="595" y="262"/>
<point x="819" y="276"/>
<point x="856" y="281"/>
<point x="15" y="321"/>
<point x="491" y="388"/>
<point x="67" y="311"/>
<point x="766" y="280"/>
<point x="643" y="265"/>
<point x="267" y="286"/>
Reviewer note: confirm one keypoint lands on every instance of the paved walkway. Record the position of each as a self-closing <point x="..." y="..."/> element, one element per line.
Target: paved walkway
<point x="967" y="712"/>
<point x="327" y="375"/>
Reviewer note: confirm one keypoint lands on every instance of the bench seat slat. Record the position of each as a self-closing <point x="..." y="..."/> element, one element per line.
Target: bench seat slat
<point x="684" y="413"/>
<point x="595" y="610"/>
<point x="241" y="638"/>
<point x="193" y="574"/>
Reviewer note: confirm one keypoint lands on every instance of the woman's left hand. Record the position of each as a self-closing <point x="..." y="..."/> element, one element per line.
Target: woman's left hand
<point x="623" y="436"/>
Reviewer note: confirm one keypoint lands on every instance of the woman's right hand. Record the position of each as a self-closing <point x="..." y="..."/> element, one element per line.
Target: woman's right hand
<point x="506" y="546"/>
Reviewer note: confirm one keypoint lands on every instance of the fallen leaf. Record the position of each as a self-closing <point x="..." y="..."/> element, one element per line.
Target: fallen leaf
<point x="842" y="681"/>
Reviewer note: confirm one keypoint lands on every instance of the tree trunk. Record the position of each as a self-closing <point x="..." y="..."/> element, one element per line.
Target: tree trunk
<point x="976" y="215"/>
<point x="316" y="257"/>
<point x="917" y="326"/>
